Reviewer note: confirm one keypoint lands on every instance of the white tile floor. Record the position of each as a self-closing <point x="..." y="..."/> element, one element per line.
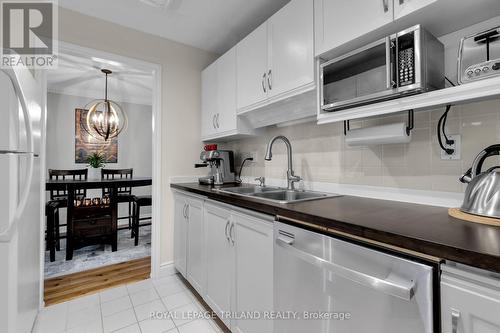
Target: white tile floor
<point x="127" y="309"/>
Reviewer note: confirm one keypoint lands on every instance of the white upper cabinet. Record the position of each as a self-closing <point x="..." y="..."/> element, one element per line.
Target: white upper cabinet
<point x="291" y="54"/>
<point x="405" y="7"/>
<point x="252" y="67"/>
<point x="226" y="92"/>
<point x="276" y="61"/>
<point x="340" y="21"/>
<point x="273" y="63"/>
<point x="209" y="100"/>
<point x="218" y="103"/>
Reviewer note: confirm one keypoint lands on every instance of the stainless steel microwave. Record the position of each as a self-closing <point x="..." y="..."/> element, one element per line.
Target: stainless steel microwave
<point x="405" y="63"/>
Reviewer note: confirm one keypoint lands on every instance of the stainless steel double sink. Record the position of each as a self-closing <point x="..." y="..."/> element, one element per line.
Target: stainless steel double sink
<point x="276" y="194"/>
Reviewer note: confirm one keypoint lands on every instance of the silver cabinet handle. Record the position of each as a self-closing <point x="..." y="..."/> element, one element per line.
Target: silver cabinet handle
<point x="269" y="79"/>
<point x="227" y="235"/>
<point x="187" y="212"/>
<point x="184" y="211"/>
<point x="263" y="82"/>
<point x="231" y="233"/>
<point x="213" y="121"/>
<point x="455" y="316"/>
<point x="385" y="3"/>
<point x="388" y="287"/>
<point x="217" y="120"/>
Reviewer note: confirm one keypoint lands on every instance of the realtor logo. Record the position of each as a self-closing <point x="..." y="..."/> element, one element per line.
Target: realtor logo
<point x="28" y="35"/>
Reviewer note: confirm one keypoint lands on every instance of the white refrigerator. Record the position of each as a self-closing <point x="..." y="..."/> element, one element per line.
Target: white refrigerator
<point x="22" y="112"/>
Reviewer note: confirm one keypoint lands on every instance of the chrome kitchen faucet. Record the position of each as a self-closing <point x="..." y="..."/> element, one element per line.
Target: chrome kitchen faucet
<point x="290" y="177"/>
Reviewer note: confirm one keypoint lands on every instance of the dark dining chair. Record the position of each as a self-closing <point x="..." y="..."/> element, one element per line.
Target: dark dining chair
<point x="139" y="201"/>
<point x="59" y="199"/>
<point x="124" y="194"/>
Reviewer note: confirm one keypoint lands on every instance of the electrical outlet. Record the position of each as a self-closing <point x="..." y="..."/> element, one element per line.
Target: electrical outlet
<point x="457" y="146"/>
<point x="247" y="155"/>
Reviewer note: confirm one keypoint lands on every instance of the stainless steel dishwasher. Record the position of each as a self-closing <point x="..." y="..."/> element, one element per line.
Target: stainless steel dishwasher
<point x="323" y="284"/>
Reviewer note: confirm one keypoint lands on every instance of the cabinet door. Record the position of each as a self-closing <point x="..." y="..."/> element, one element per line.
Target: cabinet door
<point x="180" y="233"/>
<point x="226" y="91"/>
<point x="209" y="100"/>
<point x="405" y="7"/>
<point x="252" y="68"/>
<point x="219" y="254"/>
<point x="254" y="272"/>
<point x="291" y="47"/>
<point x="467" y="307"/>
<point x="359" y="16"/>
<point x="195" y="244"/>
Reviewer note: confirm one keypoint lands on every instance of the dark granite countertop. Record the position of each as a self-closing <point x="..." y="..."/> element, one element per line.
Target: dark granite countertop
<point x="428" y="230"/>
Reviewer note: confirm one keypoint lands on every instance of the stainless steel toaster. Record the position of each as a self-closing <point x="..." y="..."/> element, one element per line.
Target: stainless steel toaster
<point x="479" y="56"/>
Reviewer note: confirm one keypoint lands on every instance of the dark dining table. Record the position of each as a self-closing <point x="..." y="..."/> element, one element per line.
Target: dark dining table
<point x="71" y="185"/>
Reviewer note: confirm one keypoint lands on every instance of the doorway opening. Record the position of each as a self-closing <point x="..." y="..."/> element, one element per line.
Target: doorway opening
<point x="102" y="217"/>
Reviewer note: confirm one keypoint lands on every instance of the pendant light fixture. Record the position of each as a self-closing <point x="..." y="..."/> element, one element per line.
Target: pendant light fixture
<point x="105" y="118"/>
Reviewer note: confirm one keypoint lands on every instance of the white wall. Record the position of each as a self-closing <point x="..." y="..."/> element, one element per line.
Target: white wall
<point x="320" y="153"/>
<point x="181" y="95"/>
<point x="134" y="144"/>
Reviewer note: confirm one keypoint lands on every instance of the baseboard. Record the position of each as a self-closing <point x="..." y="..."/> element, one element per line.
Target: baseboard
<point x="167" y="269"/>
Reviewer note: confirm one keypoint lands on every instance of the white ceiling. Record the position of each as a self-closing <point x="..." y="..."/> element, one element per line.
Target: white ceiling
<point x="80" y="76"/>
<point x="212" y="25"/>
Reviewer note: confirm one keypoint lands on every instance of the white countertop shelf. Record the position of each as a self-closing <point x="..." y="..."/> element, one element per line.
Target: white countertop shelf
<point x="467" y="93"/>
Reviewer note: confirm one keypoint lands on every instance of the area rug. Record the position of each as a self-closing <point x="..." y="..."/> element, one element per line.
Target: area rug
<point x="99" y="255"/>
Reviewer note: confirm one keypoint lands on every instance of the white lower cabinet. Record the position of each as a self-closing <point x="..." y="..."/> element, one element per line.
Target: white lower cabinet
<point x="195" y="240"/>
<point x="220" y="261"/>
<point x="189" y="255"/>
<point x="180" y="233"/>
<point x="253" y="251"/>
<point x="470" y="301"/>
<point x="239" y="261"/>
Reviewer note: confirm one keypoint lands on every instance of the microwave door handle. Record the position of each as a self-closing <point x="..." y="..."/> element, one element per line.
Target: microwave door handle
<point x="388" y="62"/>
<point x="385" y="286"/>
<point x="393" y="54"/>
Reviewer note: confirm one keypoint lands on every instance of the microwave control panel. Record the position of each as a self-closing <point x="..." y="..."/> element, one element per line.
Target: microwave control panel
<point x="406" y="59"/>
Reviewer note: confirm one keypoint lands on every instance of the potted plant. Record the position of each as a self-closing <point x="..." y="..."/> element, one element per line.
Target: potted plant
<point x="96" y="162"/>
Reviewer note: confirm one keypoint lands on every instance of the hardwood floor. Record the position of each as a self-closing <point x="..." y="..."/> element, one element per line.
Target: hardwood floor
<point x="67" y="287"/>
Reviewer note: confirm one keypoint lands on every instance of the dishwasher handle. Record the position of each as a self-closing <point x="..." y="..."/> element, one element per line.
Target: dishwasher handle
<point x="385" y="286"/>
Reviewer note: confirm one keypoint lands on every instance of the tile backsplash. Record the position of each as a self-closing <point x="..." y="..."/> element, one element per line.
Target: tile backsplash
<point x="321" y="155"/>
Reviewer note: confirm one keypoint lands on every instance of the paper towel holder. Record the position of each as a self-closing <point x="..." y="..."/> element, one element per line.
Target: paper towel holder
<point x="409" y="127"/>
